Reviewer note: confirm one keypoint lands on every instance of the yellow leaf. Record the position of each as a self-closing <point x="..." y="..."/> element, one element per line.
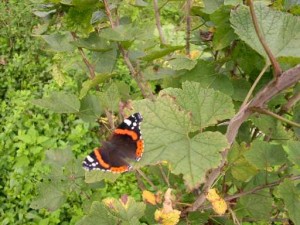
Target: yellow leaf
<point x="218" y="203"/>
<point x="194" y="54"/>
<point x="167" y="215"/>
<point x="149" y="197"/>
<point x="167" y="218"/>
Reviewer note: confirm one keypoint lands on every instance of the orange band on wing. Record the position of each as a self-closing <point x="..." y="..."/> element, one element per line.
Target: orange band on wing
<point x="130" y="133"/>
<point x="100" y="160"/>
<point x="140" y="148"/>
<point x="119" y="169"/>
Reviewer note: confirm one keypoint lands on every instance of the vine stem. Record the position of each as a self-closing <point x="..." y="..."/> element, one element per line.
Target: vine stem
<point x="291" y="102"/>
<point x="275" y="64"/>
<point x="188" y="28"/>
<point x="255" y="84"/>
<point x="276" y="116"/>
<point x="286" y="80"/>
<point x="158" y="23"/>
<point x="142" y="174"/>
<point x="84" y="58"/>
<point x="137" y="76"/>
<point x="254" y="190"/>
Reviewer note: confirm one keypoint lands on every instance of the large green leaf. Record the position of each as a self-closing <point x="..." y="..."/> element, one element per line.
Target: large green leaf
<point x="207" y="106"/>
<point x="270" y="127"/>
<point x="239" y="167"/>
<point x="66" y="176"/>
<point x="263" y="155"/>
<point x="59" y="102"/>
<point x="120" y="33"/>
<point x="205" y="73"/>
<point x="166" y="131"/>
<point x="280" y="30"/>
<point x="182" y="62"/>
<point x="125" y="211"/>
<point x="93" y="43"/>
<point x="110" y="98"/>
<point x="104" y="62"/>
<point x="98" y="215"/>
<point x="50" y="196"/>
<point x="293" y="151"/>
<point x="212" y="5"/>
<point x="224" y="34"/>
<point x="90" y="109"/>
<point x="291" y="196"/>
<point x="87" y="85"/>
<point x="59" y="42"/>
<point x="257" y="205"/>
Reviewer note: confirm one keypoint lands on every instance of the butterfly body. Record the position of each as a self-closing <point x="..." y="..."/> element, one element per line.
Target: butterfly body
<point x="125" y="143"/>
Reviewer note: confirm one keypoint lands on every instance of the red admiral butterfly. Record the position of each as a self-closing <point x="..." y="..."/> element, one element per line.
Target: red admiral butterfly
<point x="126" y="142"/>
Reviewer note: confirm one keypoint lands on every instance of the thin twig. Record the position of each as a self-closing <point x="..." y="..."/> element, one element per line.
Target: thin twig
<point x="188" y="27"/>
<point x="291" y="102"/>
<point x="229" y="198"/>
<point x="254" y="85"/>
<point x="164" y="175"/>
<point x="137" y="76"/>
<point x="270" y="113"/>
<point x="85" y="60"/>
<point x="141" y="173"/>
<point x="158" y="23"/>
<point x="110" y="119"/>
<point x="276" y="66"/>
<point x="258" y="188"/>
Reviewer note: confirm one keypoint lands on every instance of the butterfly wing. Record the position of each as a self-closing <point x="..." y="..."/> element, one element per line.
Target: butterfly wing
<point x="126" y="142"/>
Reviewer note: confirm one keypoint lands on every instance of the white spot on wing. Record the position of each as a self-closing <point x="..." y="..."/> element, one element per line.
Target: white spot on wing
<point x="90" y="159"/>
<point x="127" y="121"/>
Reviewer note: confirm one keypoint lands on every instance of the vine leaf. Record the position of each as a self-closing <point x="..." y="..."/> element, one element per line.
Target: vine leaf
<point x="206" y="105"/>
<point x="98" y="215"/>
<point x="113" y="211"/>
<point x="90" y="109"/>
<point x="293" y="150"/>
<point x="62" y="180"/>
<point x="258" y="205"/>
<point x="59" y="102"/>
<point x="280" y="30"/>
<point x="263" y="155"/>
<point x="205" y="73"/>
<point x="166" y="131"/>
<point x="59" y="42"/>
<point x="50" y="197"/>
<point x="291" y="197"/>
<point x="110" y="98"/>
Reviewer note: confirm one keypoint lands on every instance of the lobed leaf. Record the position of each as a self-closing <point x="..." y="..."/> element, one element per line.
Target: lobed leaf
<point x="166" y="131"/>
<point x="293" y="151"/>
<point x="59" y="102"/>
<point x="263" y="155"/>
<point x="280" y="30"/>
<point x="291" y="197"/>
<point x="206" y="106"/>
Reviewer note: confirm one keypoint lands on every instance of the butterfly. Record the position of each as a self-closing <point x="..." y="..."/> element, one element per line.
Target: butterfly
<point x="125" y="143"/>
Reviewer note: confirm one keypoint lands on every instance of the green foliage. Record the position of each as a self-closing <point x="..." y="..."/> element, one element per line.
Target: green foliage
<point x="281" y="30"/>
<point x="188" y="81"/>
